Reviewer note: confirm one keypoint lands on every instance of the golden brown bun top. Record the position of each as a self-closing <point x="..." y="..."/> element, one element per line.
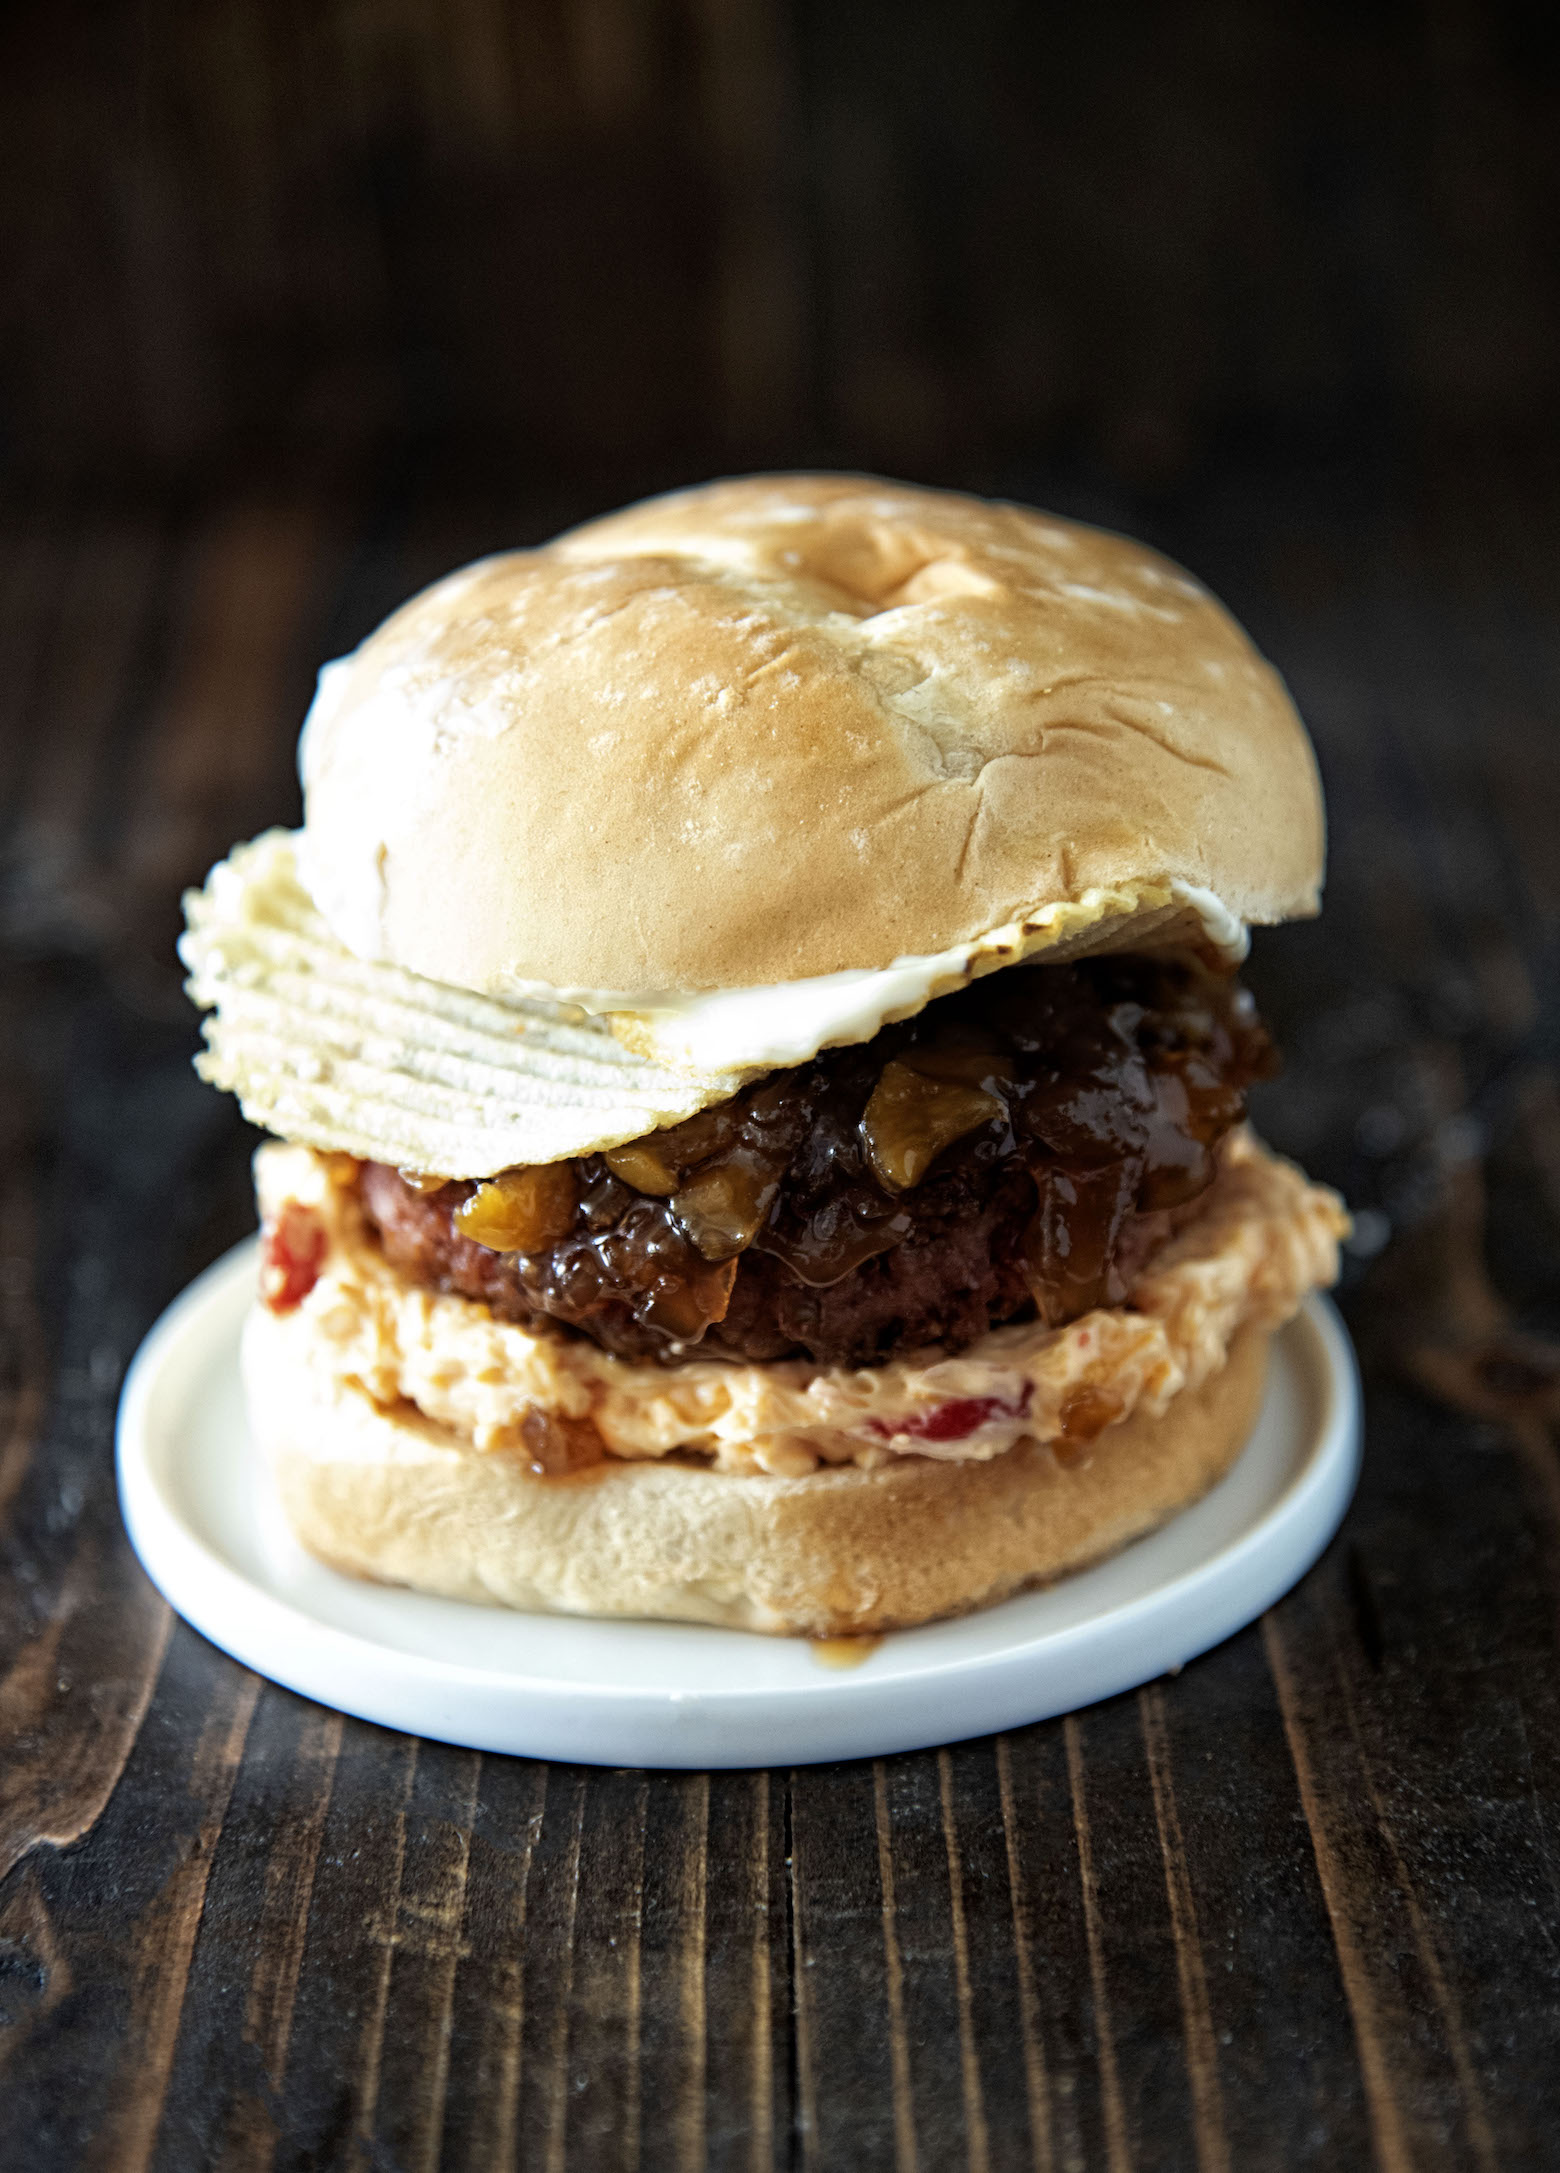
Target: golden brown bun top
<point x="786" y="726"/>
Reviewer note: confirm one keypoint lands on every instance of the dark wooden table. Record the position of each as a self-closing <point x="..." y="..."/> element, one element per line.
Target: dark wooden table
<point x="1298" y="1906"/>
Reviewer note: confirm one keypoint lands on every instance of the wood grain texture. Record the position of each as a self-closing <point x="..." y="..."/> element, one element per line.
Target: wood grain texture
<point x="1296" y="1908"/>
<point x="906" y="2156"/>
<point x="1201" y="2045"/>
<point x="493" y="1985"/>
<point x="607" y="239"/>
<point x="1036" y="2077"/>
<point x="289" y="1830"/>
<point x="1118" y="2148"/>
<point x="1372" y="2030"/>
<point x="164" y="1943"/>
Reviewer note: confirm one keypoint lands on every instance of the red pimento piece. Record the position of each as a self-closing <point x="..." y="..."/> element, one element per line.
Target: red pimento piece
<point x="292" y="1252"/>
<point x="951" y="1421"/>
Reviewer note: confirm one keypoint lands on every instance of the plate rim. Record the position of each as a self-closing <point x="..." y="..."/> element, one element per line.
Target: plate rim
<point x="1308" y="1509"/>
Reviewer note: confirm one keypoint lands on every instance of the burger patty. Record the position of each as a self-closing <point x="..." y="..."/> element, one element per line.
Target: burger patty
<point x="1020" y="1147"/>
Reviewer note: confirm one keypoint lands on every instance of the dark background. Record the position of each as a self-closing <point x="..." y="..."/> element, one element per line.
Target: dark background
<point x="577" y="249"/>
<point x="303" y="302"/>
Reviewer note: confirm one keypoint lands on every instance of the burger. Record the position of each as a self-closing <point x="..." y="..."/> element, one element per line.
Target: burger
<point x="751" y="1027"/>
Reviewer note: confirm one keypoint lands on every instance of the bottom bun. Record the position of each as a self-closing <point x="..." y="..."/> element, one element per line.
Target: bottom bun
<point x="390" y="1495"/>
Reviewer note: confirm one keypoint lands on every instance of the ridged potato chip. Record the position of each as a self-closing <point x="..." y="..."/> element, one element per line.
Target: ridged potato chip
<point x="362" y="1058"/>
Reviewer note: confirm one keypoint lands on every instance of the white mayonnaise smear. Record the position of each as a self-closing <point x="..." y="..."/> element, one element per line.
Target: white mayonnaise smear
<point x="764" y="1029"/>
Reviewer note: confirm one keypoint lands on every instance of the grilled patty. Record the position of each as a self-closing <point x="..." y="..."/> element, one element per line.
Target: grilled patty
<point x="1019" y="1148"/>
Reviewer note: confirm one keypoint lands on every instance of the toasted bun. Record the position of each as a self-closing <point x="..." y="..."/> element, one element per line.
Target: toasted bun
<point x="788" y="726"/>
<point x="390" y="1495"/>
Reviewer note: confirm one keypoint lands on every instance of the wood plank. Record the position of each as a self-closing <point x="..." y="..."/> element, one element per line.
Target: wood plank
<point x="495" y="1979"/>
<point x="977" y="2142"/>
<point x="939" y="2051"/>
<point x="275" y="1947"/>
<point x="1037" y="2082"/>
<point x="229" y="2062"/>
<point x="35" y="1972"/>
<point x="542" y="2115"/>
<point x="1118" y="2148"/>
<point x="427" y="1944"/>
<point x="68" y="1718"/>
<point x="1396" y="2143"/>
<point x="673" y="2027"/>
<point x="1265" y="1924"/>
<point x="1201" y="2045"/>
<point x="84" y="1631"/>
<point x="1040" y="1835"/>
<point x="845" y="2112"/>
<point x="1276" y="2012"/>
<point x="334" y="2053"/>
<point x="1449" y="928"/>
<point x="1410" y="1814"/>
<point x="906" y="2155"/>
<point x="610" y="2108"/>
<point x="747" y="1977"/>
<point x="164" y="1941"/>
<point x="995" y="2080"/>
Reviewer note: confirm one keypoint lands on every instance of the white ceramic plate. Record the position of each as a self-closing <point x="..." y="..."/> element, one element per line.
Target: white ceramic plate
<point x="203" y="1520"/>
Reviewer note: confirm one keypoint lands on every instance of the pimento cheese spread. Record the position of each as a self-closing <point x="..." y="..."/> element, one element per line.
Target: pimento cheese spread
<point x="1265" y="1237"/>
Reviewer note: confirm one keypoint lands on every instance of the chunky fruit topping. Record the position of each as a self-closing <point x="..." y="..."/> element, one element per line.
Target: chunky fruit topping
<point x="1018" y="1148"/>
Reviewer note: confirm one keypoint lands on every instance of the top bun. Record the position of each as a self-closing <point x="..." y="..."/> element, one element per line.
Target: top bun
<point x="794" y="725"/>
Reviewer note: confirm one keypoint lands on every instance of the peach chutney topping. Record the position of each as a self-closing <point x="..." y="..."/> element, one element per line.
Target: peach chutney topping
<point x="1016" y="1150"/>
